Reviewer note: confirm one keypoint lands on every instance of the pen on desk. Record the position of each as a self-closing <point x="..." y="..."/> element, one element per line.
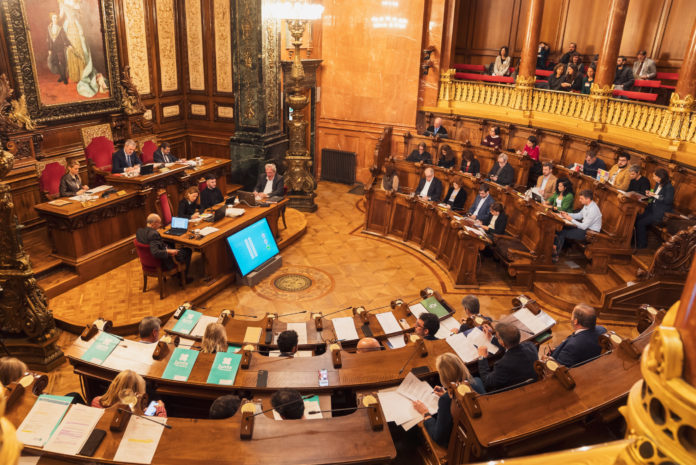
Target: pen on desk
<point x="145" y="418"/>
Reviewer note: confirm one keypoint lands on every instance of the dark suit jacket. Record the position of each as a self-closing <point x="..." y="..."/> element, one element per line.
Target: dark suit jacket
<point x="591" y="169"/>
<point x="435" y="190"/>
<point x="474" y="167"/>
<point x="579" y="347"/>
<point x="624" y="77"/>
<point x="416" y="157"/>
<point x="439" y="426"/>
<point x="118" y="161"/>
<point x="158" y="247"/>
<point x="459" y="199"/>
<point x="664" y="202"/>
<point x="516" y="366"/>
<point x="441" y="131"/>
<point x="506" y="174"/>
<point x="210" y="197"/>
<point x="158" y="157"/>
<point x="639" y="185"/>
<point x="484" y="213"/>
<point x="69" y="186"/>
<point x="186" y="209"/>
<point x="278" y="185"/>
<point x="500" y="224"/>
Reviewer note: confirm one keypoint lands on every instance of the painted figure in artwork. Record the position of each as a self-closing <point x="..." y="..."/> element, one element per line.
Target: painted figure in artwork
<point x="57" y="45"/>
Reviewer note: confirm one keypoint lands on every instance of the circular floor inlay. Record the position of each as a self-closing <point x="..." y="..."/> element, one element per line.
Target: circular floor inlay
<point x="292" y="282"/>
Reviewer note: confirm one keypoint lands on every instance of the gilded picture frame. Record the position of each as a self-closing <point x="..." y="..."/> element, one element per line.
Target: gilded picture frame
<point x="64" y="57"/>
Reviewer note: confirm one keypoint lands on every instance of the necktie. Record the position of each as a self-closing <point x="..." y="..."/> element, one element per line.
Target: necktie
<point x="128" y="161"/>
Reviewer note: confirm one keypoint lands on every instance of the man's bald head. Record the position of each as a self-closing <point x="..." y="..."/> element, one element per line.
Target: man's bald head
<point x="368" y="344"/>
<point x="585" y="316"/>
<point x="153" y="218"/>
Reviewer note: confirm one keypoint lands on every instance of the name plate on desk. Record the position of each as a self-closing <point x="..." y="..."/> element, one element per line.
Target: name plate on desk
<point x="224" y="368"/>
<point x="121" y="193"/>
<point x="180" y="364"/>
<point x="187" y="322"/>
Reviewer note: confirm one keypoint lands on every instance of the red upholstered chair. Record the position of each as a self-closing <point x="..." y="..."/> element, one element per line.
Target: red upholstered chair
<point x="49" y="178"/>
<point x="164" y="207"/>
<point x="98" y="154"/>
<point x="147" y="151"/>
<point x="153" y="267"/>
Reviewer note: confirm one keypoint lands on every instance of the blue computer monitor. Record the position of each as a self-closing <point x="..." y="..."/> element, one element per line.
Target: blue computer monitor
<point x="252" y="246"/>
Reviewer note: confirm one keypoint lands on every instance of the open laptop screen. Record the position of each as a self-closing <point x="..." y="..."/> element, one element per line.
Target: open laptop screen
<point x="179" y="223"/>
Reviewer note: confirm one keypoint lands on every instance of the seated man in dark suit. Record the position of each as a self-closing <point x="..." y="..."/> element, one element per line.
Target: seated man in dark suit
<point x="429" y="187"/>
<point x="159" y="249"/>
<point x="288" y="403"/>
<point x="583" y="344"/>
<point x="125" y="159"/>
<point x="420" y="155"/>
<point x="436" y="129"/>
<point x="287" y="343"/>
<point x="502" y="172"/>
<point x="270" y="183"/>
<point x="164" y="154"/>
<point x="481" y="208"/>
<point x="211" y="195"/>
<point x="498" y="221"/>
<point x="592" y="164"/>
<point x="224" y="407"/>
<point x="516" y="366"/>
<point x="427" y="325"/>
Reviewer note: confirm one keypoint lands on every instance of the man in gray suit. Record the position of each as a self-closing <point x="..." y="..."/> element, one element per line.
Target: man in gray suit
<point x="644" y="67"/>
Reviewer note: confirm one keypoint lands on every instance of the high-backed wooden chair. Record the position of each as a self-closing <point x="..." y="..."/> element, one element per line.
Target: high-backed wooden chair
<point x="153" y="267"/>
<point x="147" y="147"/>
<point x="164" y="207"/>
<point x="49" y="174"/>
<point x="99" y="154"/>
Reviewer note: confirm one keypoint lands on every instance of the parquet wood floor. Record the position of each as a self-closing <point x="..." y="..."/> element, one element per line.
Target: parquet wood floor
<point x="350" y="267"/>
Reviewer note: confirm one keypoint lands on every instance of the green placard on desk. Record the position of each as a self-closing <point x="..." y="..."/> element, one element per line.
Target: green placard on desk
<point x="224" y="368"/>
<point x="433" y="306"/>
<point x="187" y="322"/>
<point x="101" y="348"/>
<point x="180" y="364"/>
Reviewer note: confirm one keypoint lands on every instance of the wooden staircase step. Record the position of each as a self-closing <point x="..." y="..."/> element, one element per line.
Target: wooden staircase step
<point x="643" y="258"/>
<point x="602" y="283"/>
<point x="45" y="266"/>
<point x="58" y="281"/>
<point x="566" y="294"/>
<point x="624" y="272"/>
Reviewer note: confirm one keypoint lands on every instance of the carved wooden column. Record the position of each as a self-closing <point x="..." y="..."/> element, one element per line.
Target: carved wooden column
<point x="685" y="322"/>
<point x="258" y="134"/>
<point x="524" y="83"/>
<point x="686" y="85"/>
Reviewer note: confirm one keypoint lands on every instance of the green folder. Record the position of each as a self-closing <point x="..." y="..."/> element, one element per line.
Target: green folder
<point x="433" y="306"/>
<point x="224" y="368"/>
<point x="101" y="348"/>
<point x="187" y="322"/>
<point x="180" y="364"/>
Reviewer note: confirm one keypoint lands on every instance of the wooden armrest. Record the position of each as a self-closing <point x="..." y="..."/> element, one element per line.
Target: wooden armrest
<point x="516" y="253"/>
<point x="592" y="236"/>
<point x="439" y="452"/>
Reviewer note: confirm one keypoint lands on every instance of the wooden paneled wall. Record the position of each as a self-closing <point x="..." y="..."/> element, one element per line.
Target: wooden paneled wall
<point x="660" y="27"/>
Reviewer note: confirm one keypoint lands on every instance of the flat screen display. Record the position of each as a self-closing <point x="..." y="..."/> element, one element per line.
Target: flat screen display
<point x="252" y="246"/>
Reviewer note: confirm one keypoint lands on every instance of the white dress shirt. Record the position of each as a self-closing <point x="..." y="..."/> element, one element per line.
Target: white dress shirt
<point x="590" y="217"/>
<point x="478" y="207"/>
<point x="269" y="186"/>
<point x="426" y="188"/>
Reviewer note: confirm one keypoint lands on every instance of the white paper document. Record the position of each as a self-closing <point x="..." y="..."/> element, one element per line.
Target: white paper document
<point x="74" y="430"/>
<point x="344" y="328"/>
<point x="417" y="309"/>
<point x="140" y="440"/>
<point x="301" y="330"/>
<point x="42" y="420"/>
<point x="299" y="353"/>
<point x="127" y="352"/>
<point x="310" y="405"/>
<point x="208" y="230"/>
<point x="446" y="327"/>
<point x="397" y="408"/>
<point x="414" y="389"/>
<point x="478" y="338"/>
<point x="396" y="342"/>
<point x="29" y="460"/>
<point x="96" y="190"/>
<point x="462" y="347"/>
<point x="535" y="323"/>
<point x="388" y="322"/>
<point x="203" y="323"/>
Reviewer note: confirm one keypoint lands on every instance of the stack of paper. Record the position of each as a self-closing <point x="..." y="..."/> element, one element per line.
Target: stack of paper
<point x="74" y="430"/>
<point x="417" y="309"/>
<point x="397" y="404"/>
<point x="535" y="323"/>
<point x="140" y="440"/>
<point x="130" y="354"/>
<point x="252" y="335"/>
<point x="446" y="327"/>
<point x="203" y="323"/>
<point x="466" y="347"/>
<point x="301" y="330"/>
<point x="388" y="322"/>
<point x="208" y="230"/>
<point x="396" y="342"/>
<point x="42" y="419"/>
<point x="345" y="329"/>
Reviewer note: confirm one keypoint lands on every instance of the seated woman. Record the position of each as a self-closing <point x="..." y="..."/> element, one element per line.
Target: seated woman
<point x="451" y="370"/>
<point x="127" y="379"/>
<point x="214" y="339"/>
<point x="661" y="201"/>
<point x="470" y="164"/>
<point x="557" y="78"/>
<point x="188" y="206"/>
<point x="563" y="199"/>
<point x="493" y="139"/>
<point x="456" y="196"/>
<point x="501" y="65"/>
<point x="531" y="149"/>
<point x="572" y="79"/>
<point x="71" y="183"/>
<point x="11" y="370"/>
<point x="390" y="180"/>
<point x="498" y="221"/>
<point x="576" y="62"/>
<point x="447" y="158"/>
<point x="588" y="80"/>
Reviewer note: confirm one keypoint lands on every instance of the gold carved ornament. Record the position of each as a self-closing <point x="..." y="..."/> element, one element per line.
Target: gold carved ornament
<point x="98" y="130"/>
<point x="131" y="101"/>
<point x="14" y="115"/>
<point x="136" y="39"/>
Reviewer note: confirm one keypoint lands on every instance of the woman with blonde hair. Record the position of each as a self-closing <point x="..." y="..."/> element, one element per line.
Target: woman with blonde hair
<point x="451" y="370"/>
<point x="11" y="370"/>
<point x="214" y="339"/>
<point x="126" y="380"/>
<point x="71" y="183"/>
<point x="10" y="447"/>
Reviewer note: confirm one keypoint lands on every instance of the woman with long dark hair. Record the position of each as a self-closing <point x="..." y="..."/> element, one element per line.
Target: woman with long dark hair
<point x="563" y="199"/>
<point x="661" y="201"/>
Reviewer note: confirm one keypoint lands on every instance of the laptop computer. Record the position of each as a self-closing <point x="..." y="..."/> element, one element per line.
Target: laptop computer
<point x="537" y="197"/>
<point x="179" y="226"/>
<point x="218" y="214"/>
<point x="148" y="168"/>
<point x="247" y="197"/>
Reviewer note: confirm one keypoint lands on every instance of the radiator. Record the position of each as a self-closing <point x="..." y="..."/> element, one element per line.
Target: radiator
<point x="338" y="166"/>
